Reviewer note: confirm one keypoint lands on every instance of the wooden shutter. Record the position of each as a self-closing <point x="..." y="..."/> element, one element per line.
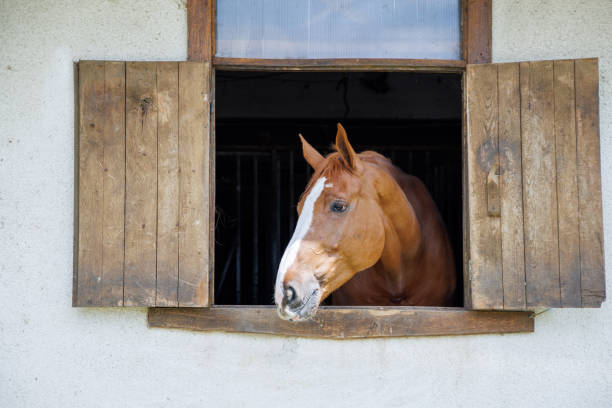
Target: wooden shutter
<point x="534" y="185"/>
<point x="142" y="222"/>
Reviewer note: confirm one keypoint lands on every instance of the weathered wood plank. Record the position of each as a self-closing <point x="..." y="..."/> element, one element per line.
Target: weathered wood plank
<point x="539" y="185"/>
<point x="91" y="188"/>
<point x="567" y="187"/>
<point x="338" y="64"/>
<point x="76" y="170"/>
<point x="201" y="47"/>
<point x="482" y="149"/>
<point x="200" y="29"/>
<point x="465" y="193"/>
<point x="194" y="136"/>
<point x="167" y="184"/>
<point x="211" y="197"/>
<point x="477" y="31"/>
<point x="345" y="323"/>
<point x="141" y="184"/>
<point x="589" y="183"/>
<point x="114" y="184"/>
<point x="513" y="255"/>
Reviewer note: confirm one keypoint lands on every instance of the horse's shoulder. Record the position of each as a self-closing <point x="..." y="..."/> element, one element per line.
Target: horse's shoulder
<point x="410" y="182"/>
<point x="414" y="188"/>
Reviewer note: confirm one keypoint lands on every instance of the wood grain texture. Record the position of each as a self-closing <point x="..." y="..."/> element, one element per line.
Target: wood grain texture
<point x="550" y="184"/>
<point x="194" y="133"/>
<point x="167" y="184"/>
<point x="539" y="185"/>
<point x="467" y="288"/>
<point x="567" y="186"/>
<point x="477" y="31"/>
<point x="141" y="184"/>
<point x="345" y="323"/>
<point x="493" y="194"/>
<point x="482" y="156"/>
<point x="511" y="191"/>
<point x="113" y="184"/>
<point x="129" y="205"/>
<point x="201" y="47"/>
<point x="76" y="170"/>
<point x="589" y="183"/>
<point x="211" y="195"/>
<point x="200" y="30"/>
<point x="91" y="174"/>
<point x="339" y="64"/>
<point x="548" y="143"/>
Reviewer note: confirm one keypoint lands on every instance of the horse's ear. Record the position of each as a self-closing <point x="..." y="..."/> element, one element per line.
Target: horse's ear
<point x="345" y="149"/>
<point x="311" y="155"/>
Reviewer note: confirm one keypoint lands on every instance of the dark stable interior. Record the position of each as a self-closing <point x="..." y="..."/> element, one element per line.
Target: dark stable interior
<point x="412" y="118"/>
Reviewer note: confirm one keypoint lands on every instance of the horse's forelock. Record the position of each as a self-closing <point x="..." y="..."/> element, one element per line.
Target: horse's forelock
<point x="331" y="169"/>
<point x="334" y="166"/>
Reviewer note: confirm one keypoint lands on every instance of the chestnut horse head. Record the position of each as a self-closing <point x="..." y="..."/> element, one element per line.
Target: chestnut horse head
<point x="360" y="214"/>
<point x="339" y="232"/>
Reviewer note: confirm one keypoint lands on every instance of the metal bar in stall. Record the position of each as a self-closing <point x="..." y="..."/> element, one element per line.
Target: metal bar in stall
<point x="447" y="183"/>
<point x="238" y="233"/>
<point x="410" y="163"/>
<point x="277" y="189"/>
<point x="291" y="194"/>
<point x="226" y="266"/>
<point x="276" y="243"/>
<point x="436" y="188"/>
<point x="255" y="289"/>
<point x="427" y="180"/>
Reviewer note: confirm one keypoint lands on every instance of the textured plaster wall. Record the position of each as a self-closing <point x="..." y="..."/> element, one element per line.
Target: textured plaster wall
<point x="52" y="355"/>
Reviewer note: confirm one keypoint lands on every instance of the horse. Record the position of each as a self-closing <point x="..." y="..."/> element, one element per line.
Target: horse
<point x="368" y="233"/>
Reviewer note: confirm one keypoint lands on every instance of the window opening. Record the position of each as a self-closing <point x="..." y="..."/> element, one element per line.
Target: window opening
<point x="412" y="118"/>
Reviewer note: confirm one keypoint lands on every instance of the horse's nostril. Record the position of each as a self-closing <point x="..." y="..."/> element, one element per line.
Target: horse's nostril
<point x="289" y="294"/>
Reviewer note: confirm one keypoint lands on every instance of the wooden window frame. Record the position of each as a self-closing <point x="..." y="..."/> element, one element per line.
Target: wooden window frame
<point x="331" y="321"/>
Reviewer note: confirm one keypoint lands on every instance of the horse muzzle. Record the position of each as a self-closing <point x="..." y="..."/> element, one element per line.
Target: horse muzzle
<point x="299" y="301"/>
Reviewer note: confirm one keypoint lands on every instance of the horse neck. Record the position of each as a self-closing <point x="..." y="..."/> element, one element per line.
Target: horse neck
<point x="403" y="235"/>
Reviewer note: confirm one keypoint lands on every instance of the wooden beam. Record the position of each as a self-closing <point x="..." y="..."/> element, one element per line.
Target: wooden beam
<point x="338" y="64"/>
<point x="345" y="322"/>
<point x="200" y="30"/>
<point x="113" y="182"/>
<point x="201" y="47"/>
<point x="509" y="130"/>
<point x="485" y="252"/>
<point x="477" y="31"/>
<point x="564" y="106"/>
<point x="90" y="184"/>
<point x="167" y="184"/>
<point x="541" y="228"/>
<point x="193" y="155"/>
<point x="593" y="280"/>
<point x="140" y="184"/>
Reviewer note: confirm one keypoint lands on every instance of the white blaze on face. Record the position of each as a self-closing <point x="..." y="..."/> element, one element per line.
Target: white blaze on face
<point x="301" y="229"/>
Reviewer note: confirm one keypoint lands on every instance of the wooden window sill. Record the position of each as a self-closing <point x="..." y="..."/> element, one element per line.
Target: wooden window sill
<point x="339" y="64"/>
<point x="344" y="322"/>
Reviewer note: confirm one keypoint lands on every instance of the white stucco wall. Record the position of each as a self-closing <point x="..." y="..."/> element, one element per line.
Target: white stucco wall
<point x="52" y="355"/>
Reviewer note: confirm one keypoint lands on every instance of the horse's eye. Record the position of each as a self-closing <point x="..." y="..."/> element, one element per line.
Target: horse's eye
<point x="339" y="206"/>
